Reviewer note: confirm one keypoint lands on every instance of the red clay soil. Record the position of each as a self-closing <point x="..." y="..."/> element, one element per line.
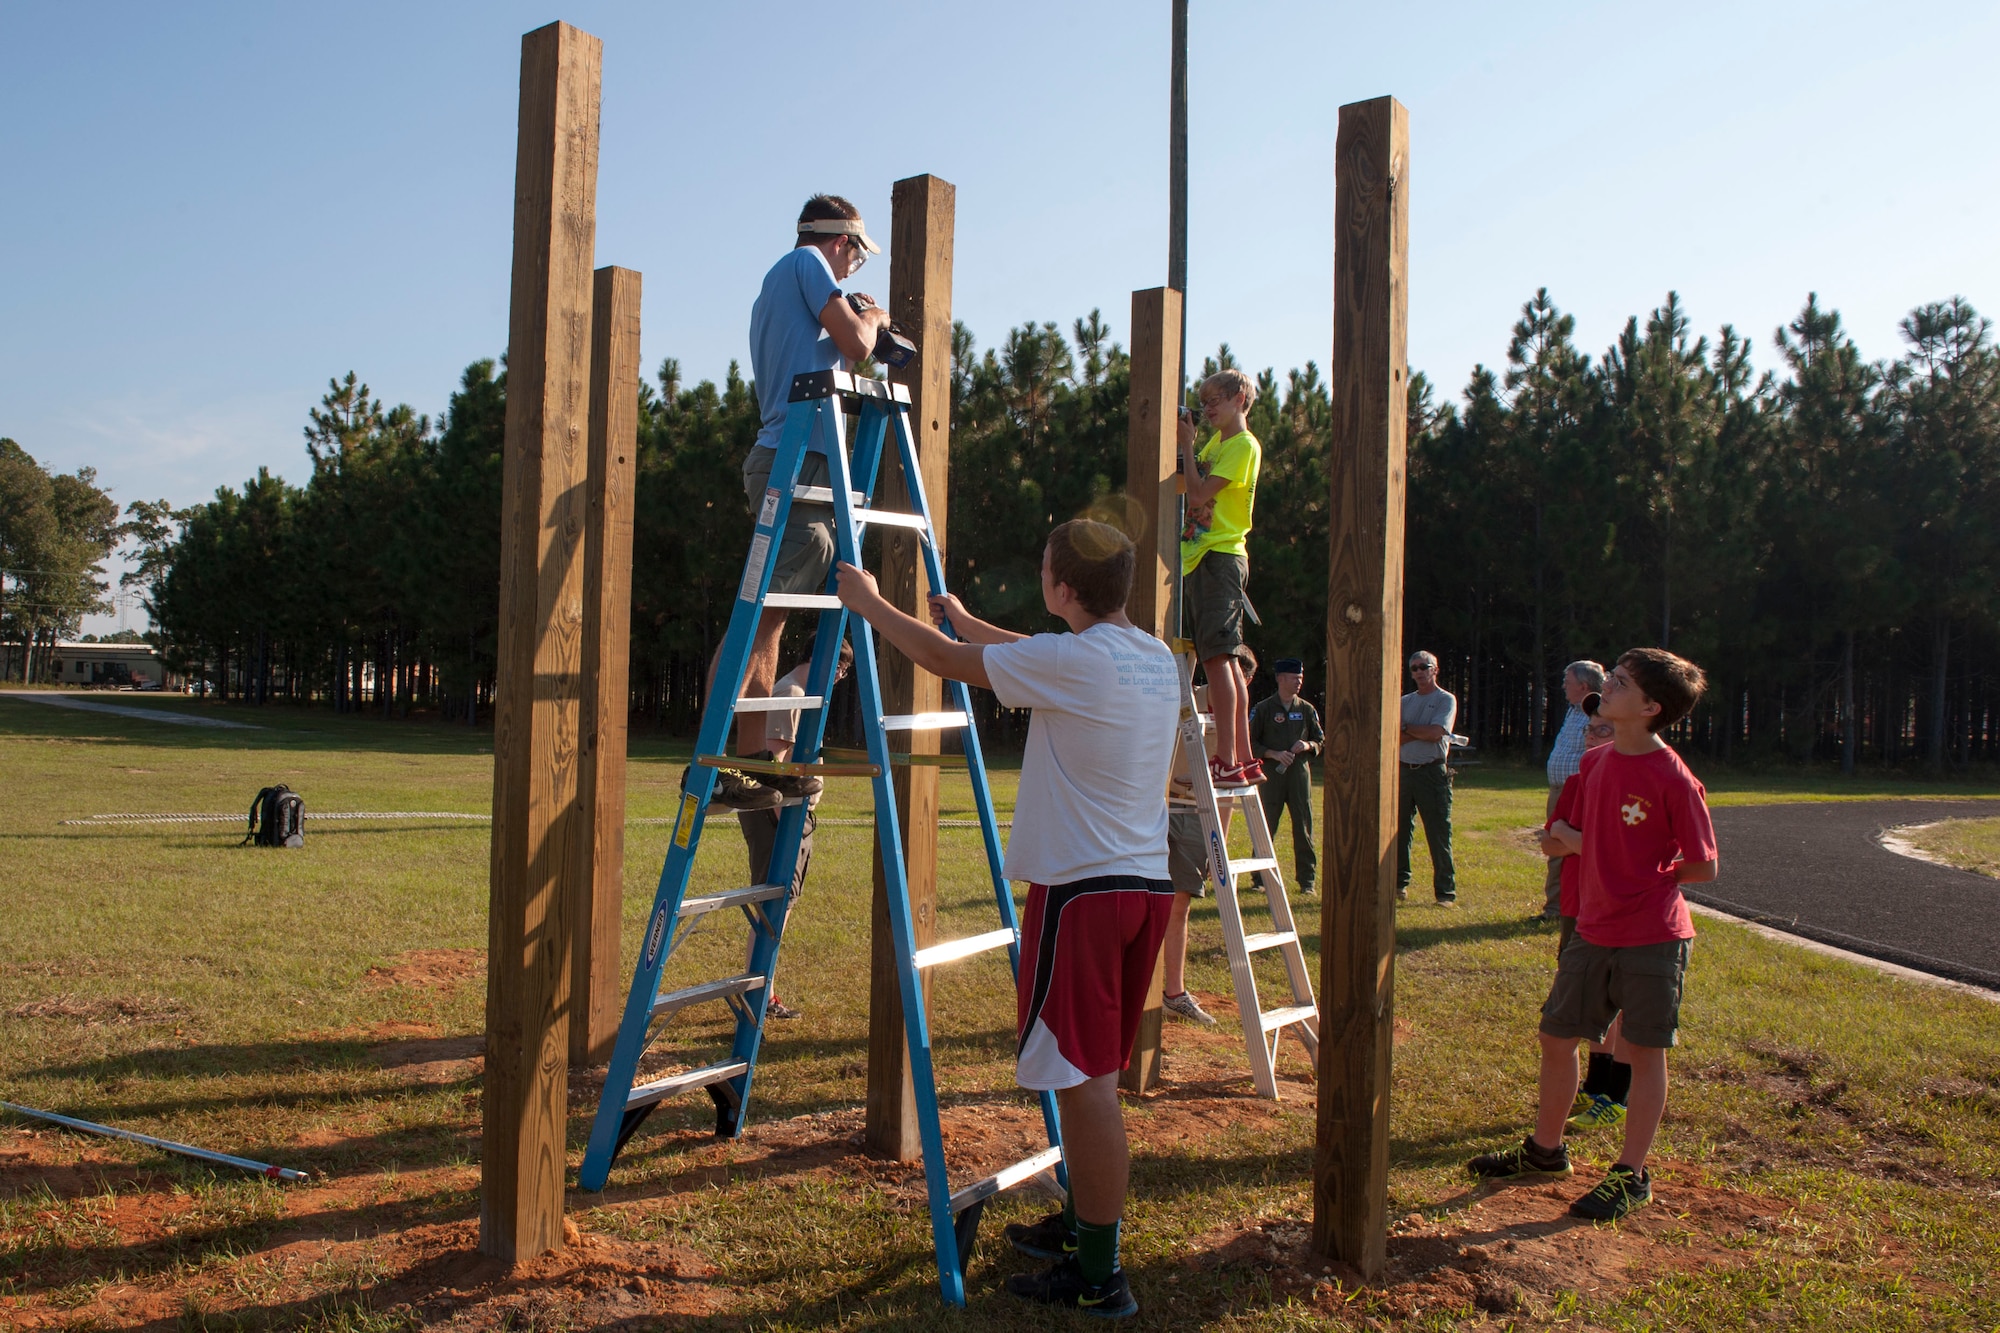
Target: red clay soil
<point x="110" y="1245"/>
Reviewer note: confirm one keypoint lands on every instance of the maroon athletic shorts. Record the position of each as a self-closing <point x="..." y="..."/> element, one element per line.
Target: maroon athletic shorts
<point x="1087" y="954"/>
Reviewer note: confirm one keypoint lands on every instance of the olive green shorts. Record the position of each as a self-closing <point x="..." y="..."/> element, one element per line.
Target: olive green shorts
<point x="1187" y="862"/>
<point x="1213" y="597"/>
<point x="1594" y="983"/>
<point x="806" y="553"/>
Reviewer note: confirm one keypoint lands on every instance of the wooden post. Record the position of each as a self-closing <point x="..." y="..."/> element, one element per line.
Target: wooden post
<point x="607" y="623"/>
<point x="536" y="718"/>
<point x="1364" y="634"/>
<point x="1150" y="446"/>
<point x="920" y="248"/>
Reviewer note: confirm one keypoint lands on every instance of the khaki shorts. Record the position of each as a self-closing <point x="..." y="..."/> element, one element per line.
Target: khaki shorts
<point x="1213" y="596"/>
<point x="806" y="553"/>
<point x="1187" y="862"/>
<point x="1594" y="983"/>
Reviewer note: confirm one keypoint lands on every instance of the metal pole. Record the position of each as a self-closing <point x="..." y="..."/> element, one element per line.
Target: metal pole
<point x="1177" y="212"/>
<point x="264" y="1169"/>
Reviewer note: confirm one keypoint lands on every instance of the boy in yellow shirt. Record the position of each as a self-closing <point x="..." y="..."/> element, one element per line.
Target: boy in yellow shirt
<point x="1215" y="562"/>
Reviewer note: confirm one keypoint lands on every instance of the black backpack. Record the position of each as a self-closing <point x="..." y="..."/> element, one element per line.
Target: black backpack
<point x="277" y="819"/>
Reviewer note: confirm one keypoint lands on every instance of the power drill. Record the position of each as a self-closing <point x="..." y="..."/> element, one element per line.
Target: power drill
<point x="893" y="347"/>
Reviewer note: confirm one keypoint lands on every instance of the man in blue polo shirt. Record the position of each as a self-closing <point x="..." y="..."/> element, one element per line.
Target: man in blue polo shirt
<point x="802" y="322"/>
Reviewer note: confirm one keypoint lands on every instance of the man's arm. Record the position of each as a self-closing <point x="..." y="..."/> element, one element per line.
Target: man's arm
<point x="1695" y="872"/>
<point x="917" y="641"/>
<point x="1423" y="731"/>
<point x="1315" y="736"/>
<point x="853" y="331"/>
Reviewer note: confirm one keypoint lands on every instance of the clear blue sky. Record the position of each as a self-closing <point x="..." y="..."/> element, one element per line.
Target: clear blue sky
<point x="209" y="210"/>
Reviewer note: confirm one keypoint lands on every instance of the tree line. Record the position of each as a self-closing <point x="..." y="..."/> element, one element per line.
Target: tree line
<point x="1823" y="534"/>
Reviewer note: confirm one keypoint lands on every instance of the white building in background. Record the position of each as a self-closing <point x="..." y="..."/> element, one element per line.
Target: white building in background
<point x="98" y="665"/>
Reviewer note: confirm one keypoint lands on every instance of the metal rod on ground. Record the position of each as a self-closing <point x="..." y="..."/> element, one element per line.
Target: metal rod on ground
<point x="264" y="1169"/>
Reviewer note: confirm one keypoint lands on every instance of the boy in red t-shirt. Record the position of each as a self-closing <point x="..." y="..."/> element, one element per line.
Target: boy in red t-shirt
<point x="1645" y="832"/>
<point x="1600" y="1101"/>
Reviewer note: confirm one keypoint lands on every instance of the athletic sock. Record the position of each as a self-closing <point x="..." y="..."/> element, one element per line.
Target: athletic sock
<point x="1619" y="1086"/>
<point x="1598" y="1079"/>
<point x="1096" y="1251"/>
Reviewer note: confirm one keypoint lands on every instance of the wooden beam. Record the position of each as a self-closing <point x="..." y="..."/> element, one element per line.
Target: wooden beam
<point x="1150" y="448"/>
<point x="920" y="250"/>
<point x="1364" y="633"/>
<point x="607" y="624"/>
<point x="536" y="717"/>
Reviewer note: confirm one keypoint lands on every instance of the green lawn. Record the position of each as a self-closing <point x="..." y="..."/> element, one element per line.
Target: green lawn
<point x="161" y="978"/>
<point x="1969" y="844"/>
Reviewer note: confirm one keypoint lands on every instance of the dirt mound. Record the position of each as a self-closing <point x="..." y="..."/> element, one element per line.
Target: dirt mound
<point x="1508" y="1250"/>
<point x="430" y="969"/>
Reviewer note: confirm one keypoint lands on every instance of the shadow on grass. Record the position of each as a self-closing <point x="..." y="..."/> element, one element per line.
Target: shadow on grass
<point x="1412" y="938"/>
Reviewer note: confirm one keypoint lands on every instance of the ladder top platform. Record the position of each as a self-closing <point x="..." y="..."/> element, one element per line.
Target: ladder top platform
<point x="828" y="383"/>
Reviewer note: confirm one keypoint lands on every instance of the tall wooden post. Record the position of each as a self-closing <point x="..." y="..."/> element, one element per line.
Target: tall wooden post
<point x="1364" y="634"/>
<point x="1150" y="447"/>
<point x="537" y="719"/>
<point x="920" y="251"/>
<point x="607" y="623"/>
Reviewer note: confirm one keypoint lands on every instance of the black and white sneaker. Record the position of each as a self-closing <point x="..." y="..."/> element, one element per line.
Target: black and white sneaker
<point x="1063" y="1284"/>
<point x="791" y="786"/>
<point x="1049" y="1238"/>
<point x="737" y="790"/>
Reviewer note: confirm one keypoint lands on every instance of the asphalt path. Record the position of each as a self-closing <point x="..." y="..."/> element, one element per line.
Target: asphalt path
<point x="1819" y="869"/>
<point x="167" y="715"/>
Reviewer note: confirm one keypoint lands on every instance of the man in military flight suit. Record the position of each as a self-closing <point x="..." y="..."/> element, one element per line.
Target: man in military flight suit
<point x="1284" y="733"/>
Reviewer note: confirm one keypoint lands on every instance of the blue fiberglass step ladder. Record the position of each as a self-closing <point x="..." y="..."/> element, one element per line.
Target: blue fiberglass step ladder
<point x="814" y="417"/>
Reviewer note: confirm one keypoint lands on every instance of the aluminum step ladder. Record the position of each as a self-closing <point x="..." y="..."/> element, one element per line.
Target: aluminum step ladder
<point x="1194" y="790"/>
<point x="815" y="416"/>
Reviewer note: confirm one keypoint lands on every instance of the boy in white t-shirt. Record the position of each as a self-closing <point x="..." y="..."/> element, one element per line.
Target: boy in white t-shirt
<point x="1090" y="838"/>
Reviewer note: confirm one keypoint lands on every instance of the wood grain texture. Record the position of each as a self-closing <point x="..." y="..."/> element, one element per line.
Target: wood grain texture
<point x="1150" y="448"/>
<point x="604" y="702"/>
<point x="920" y="258"/>
<point x="1363" y="646"/>
<point x="537" y="716"/>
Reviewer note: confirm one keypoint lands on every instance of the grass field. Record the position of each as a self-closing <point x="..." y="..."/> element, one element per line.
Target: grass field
<point x="1969" y="844"/>
<point x="1830" y="1157"/>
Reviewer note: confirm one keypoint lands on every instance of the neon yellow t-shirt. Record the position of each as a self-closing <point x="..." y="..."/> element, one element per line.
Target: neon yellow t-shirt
<point x="1223" y="525"/>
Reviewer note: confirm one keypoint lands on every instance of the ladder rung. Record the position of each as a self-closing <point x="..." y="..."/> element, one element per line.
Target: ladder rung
<point x="823" y="495"/>
<point x="1007" y="1179"/>
<point x="708" y="990"/>
<point x="889" y="518"/>
<point x="778" y="703"/>
<point x="923" y="721"/>
<point x="801" y="601"/>
<point x="648" y="1093"/>
<point x="953" y="950"/>
<point x="1270" y="939"/>
<point x="1284" y="1018"/>
<point x="715" y="902"/>
<point x="1250" y="865"/>
<point x="786" y="769"/>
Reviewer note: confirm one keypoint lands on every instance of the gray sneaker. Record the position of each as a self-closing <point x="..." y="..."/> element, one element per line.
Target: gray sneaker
<point x="1184" y="1006"/>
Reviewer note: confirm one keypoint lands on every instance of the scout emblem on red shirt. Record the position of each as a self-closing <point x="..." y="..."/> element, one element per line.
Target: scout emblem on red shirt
<point x="1635" y="811"/>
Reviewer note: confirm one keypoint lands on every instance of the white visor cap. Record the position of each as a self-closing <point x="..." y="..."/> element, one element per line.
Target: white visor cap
<point x="841" y="227"/>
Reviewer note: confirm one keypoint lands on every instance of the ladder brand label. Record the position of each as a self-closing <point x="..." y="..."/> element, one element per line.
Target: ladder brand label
<point x="655" y="933"/>
<point x="753" y="568"/>
<point x="768" y="515"/>
<point x="684" y="825"/>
